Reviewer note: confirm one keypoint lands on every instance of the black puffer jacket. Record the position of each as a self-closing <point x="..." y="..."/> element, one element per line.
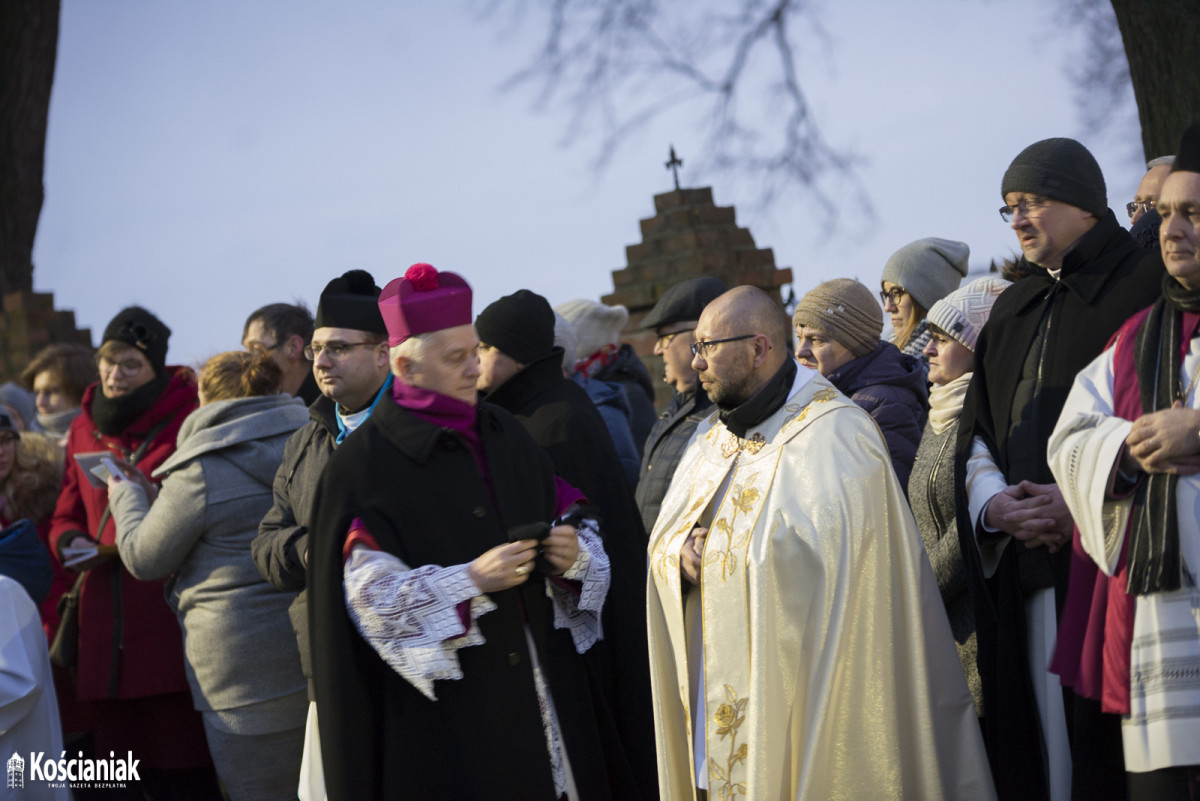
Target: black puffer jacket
<point x="664" y="448"/>
<point x="891" y="387"/>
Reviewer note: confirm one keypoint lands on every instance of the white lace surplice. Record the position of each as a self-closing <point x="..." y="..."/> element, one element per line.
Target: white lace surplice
<point x="410" y="617"/>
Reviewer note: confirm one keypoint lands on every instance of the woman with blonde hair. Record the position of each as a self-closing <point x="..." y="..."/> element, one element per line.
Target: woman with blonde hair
<point x="243" y="665"/>
<point x="917" y="276"/>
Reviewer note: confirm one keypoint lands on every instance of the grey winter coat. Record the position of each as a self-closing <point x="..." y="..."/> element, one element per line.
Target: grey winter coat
<point x="217" y="486"/>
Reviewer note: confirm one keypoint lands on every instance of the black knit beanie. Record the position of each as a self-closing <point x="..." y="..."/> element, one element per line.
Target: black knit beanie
<point x="140" y="329"/>
<point x="351" y="301"/>
<point x="520" y="325"/>
<point x="1060" y="169"/>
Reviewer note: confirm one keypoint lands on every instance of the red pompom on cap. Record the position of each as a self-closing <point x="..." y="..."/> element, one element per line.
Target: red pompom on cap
<point x="424" y="277"/>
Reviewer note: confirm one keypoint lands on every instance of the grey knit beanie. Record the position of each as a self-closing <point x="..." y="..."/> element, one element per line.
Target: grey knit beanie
<point x="846" y="310"/>
<point x="928" y="269"/>
<point x="1061" y="169"/>
<point x="962" y="313"/>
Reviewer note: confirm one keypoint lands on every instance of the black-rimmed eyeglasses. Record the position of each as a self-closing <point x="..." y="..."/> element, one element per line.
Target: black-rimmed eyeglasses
<point x="701" y="348"/>
<point x="895" y="295"/>
<point x="1030" y="207"/>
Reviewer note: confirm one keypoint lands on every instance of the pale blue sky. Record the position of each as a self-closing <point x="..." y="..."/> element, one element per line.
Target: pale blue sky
<point x="207" y="158"/>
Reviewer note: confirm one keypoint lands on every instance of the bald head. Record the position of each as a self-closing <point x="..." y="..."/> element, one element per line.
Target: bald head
<point x="732" y="372"/>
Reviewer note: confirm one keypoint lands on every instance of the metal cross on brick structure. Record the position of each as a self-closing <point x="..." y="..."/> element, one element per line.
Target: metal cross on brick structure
<point x="673" y="165"/>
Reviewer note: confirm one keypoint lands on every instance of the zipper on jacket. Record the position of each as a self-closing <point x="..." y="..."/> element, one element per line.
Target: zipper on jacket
<point x="938" y="520"/>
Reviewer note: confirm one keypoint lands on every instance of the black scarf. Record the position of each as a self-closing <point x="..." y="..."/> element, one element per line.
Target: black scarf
<point x="114" y="415"/>
<point x="1154" y="533"/>
<point x="764" y="403"/>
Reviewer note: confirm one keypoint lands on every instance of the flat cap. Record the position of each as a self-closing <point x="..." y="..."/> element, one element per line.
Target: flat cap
<point x="685" y="301"/>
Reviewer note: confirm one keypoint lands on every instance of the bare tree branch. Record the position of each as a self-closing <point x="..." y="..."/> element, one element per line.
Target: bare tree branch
<point x="619" y="66"/>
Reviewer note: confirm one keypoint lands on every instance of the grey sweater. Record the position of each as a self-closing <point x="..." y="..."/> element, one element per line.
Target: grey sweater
<point x="217" y="486"/>
<point x="931" y="495"/>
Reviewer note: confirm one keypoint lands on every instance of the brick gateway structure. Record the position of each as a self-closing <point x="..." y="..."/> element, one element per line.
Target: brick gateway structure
<point x="689" y="236"/>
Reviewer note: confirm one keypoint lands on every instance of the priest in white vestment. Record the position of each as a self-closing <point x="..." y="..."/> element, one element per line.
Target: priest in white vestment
<point x="1126" y="452"/>
<point x="798" y="643"/>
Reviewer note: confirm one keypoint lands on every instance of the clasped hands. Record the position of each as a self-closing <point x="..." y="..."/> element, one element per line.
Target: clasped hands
<point x="511" y="564"/>
<point x="1035" y="514"/>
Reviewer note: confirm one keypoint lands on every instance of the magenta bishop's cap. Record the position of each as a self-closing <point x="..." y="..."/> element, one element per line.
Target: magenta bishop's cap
<point x="424" y="300"/>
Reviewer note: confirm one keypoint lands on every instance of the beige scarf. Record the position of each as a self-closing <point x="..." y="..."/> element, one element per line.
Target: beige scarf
<point x="946" y="402"/>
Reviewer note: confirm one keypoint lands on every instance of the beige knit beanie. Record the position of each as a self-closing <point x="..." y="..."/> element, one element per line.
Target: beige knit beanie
<point x="844" y="309"/>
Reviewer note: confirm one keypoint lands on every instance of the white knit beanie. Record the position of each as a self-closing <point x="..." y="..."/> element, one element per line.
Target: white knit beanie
<point x="962" y="313"/>
<point x="564" y="337"/>
<point x="928" y="269"/>
<point x="595" y="324"/>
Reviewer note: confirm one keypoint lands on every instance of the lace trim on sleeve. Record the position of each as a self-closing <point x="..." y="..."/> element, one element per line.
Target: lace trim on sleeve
<point x="581" y="614"/>
<point x="410" y="617"/>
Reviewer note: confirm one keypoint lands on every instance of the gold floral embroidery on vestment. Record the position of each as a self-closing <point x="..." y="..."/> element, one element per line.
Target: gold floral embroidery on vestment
<point x="742" y="498"/>
<point x="797" y="413"/>
<point x="736" y="444"/>
<point x="729" y="717"/>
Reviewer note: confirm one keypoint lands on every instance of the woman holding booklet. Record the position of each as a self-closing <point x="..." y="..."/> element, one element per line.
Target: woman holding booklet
<point x="129" y="666"/>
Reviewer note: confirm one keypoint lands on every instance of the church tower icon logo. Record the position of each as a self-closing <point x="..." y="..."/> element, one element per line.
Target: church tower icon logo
<point x="16" y="772"/>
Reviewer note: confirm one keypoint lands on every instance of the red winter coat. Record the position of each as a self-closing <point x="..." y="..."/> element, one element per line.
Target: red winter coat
<point x="130" y="645"/>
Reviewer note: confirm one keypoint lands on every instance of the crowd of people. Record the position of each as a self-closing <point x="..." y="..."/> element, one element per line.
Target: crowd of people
<point x="402" y="548"/>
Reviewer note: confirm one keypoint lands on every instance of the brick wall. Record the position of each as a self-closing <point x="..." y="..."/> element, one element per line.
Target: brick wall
<point x="28" y="323"/>
<point x="689" y="236"/>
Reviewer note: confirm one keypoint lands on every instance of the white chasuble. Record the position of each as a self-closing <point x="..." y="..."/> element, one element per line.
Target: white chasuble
<point x="829" y="668"/>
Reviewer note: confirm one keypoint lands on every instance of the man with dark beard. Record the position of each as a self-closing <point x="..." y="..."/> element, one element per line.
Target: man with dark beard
<point x="783" y="551"/>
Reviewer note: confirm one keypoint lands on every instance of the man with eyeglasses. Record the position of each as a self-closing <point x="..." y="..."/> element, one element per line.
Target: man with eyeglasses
<point x="456" y="589"/>
<point x="1127" y="454"/>
<point x="1086" y="276"/>
<point x="285" y="330"/>
<point x="798" y="642"/>
<point x="350" y="361"/>
<point x="673" y="319"/>
<point x="1143" y="219"/>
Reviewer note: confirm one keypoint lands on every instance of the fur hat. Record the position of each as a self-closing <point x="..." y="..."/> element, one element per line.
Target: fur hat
<point x="1061" y="169"/>
<point x="595" y="324"/>
<point x="520" y="325"/>
<point x="962" y="313"/>
<point x="424" y="300"/>
<point x="928" y="269"/>
<point x="846" y="310"/>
